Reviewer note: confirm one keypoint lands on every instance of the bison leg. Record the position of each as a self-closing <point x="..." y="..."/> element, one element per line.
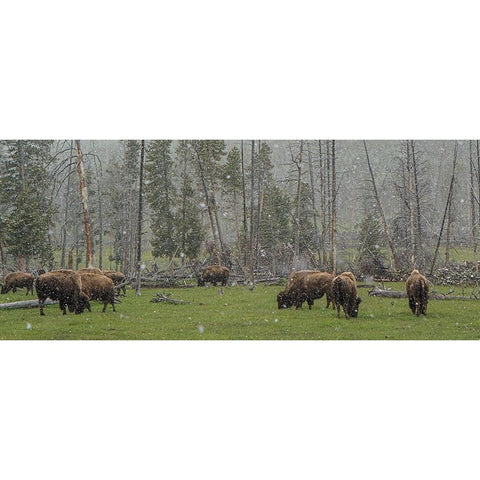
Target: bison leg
<point x="411" y="303"/>
<point x="63" y="307"/>
<point x="40" y="304"/>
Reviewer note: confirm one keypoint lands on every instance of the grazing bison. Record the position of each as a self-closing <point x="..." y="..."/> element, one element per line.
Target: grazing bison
<point x="344" y="288"/>
<point x="287" y="297"/>
<point x="118" y="278"/>
<point x="316" y="285"/>
<point x="417" y="293"/>
<point x="18" y="280"/>
<point x="214" y="274"/>
<point x="98" y="287"/>
<point x="64" y="286"/>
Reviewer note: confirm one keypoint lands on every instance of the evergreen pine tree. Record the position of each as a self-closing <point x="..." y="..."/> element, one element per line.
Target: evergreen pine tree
<point x="24" y="200"/>
<point x="161" y="196"/>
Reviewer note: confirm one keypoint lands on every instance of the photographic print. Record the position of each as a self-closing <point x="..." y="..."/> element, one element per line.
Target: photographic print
<point x="239" y="239"/>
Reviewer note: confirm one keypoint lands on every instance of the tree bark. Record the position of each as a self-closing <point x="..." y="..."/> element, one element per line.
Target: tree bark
<point x="314" y="206"/>
<point x="296" y="247"/>
<point x="334" y="212"/>
<point x="473" y="208"/>
<point x="86" y="216"/>
<point x="418" y="235"/>
<point x="140" y="219"/>
<point x="252" y="189"/>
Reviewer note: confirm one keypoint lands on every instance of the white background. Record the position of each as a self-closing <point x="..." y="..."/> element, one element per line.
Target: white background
<point x="256" y="410"/>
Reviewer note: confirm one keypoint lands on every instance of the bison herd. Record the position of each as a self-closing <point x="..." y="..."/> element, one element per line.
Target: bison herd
<point x="341" y="291"/>
<point x="308" y="285"/>
<point x="74" y="289"/>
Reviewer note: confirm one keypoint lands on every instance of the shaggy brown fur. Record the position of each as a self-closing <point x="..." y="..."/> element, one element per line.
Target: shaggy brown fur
<point x="317" y="284"/>
<point x="287" y="297"/>
<point x="344" y="288"/>
<point x="417" y="292"/>
<point x="18" y="280"/>
<point x="98" y="287"/>
<point x="64" y="286"/>
<point x="214" y="274"/>
<point x="118" y="278"/>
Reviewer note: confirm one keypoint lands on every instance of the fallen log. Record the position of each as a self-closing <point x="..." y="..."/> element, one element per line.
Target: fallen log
<point x="25" y="304"/>
<point x="162" y="297"/>
<point x="431" y="296"/>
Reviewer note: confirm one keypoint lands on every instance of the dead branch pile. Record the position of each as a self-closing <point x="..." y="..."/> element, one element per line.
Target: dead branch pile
<point x="463" y="274"/>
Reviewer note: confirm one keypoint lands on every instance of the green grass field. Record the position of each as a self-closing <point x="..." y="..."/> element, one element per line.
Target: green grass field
<point x="243" y="314"/>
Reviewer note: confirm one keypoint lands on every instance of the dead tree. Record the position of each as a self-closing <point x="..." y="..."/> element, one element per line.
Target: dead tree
<point x="333" y="229"/>
<point x="396" y="261"/>
<point x="86" y="216"/>
<point x="447" y="206"/>
<point x="140" y="219"/>
<point x="473" y="207"/>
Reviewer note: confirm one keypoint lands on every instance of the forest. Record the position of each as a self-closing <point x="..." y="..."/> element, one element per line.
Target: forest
<point x="261" y="207"/>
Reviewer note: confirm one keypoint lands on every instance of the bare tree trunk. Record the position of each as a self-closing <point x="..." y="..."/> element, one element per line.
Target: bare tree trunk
<point x="252" y="188"/>
<point x="274" y="260"/>
<point x="447" y="206"/>
<point x="413" y="250"/>
<point x="100" y="213"/>
<point x="219" y="230"/>
<point x="261" y="172"/>
<point x="86" y="216"/>
<point x="210" y="207"/>
<point x="2" y="256"/>
<point x="65" y="216"/>
<point x="296" y="248"/>
<point x="473" y="208"/>
<point x="140" y="219"/>
<point x="323" y="203"/>
<point x="315" y="213"/>
<point x="449" y="229"/>
<point x="396" y="261"/>
<point x="418" y="236"/>
<point x="245" y="227"/>
<point x="334" y="212"/>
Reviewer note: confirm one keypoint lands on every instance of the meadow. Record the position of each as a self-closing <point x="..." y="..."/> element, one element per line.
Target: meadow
<point x="243" y="314"/>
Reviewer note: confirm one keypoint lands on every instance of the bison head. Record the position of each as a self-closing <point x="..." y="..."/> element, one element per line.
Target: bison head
<point x="354" y="314"/>
<point x="200" y="281"/>
<point x="284" y="300"/>
<point x="82" y="304"/>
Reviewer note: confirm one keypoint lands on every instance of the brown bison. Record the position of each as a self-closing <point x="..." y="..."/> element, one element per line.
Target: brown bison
<point x="214" y="274"/>
<point x="64" y="286"/>
<point x="316" y="285"/>
<point x="98" y="287"/>
<point x="417" y="293"/>
<point x="287" y="297"/>
<point x="344" y="288"/>
<point x="118" y="278"/>
<point x="18" y="280"/>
